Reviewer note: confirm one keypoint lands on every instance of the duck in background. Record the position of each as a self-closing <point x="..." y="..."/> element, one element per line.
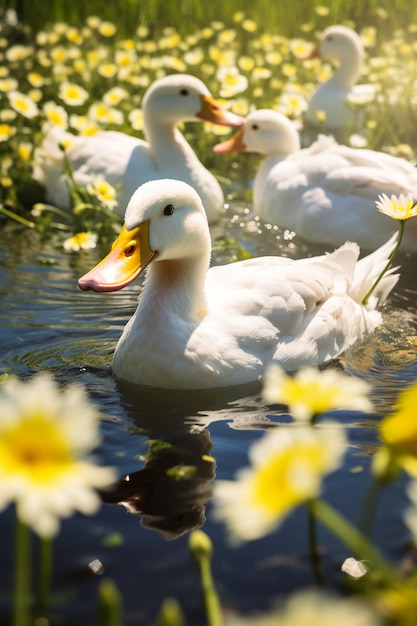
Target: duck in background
<point x="126" y="162"/>
<point x="200" y="328"/>
<point x="324" y="193"/>
<point x="337" y="99"/>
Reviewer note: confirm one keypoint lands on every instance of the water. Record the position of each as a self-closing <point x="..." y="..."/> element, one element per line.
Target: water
<point x="47" y="323"/>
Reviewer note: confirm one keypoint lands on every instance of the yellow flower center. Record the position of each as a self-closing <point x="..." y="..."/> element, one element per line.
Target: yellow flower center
<point x="289" y="478"/>
<point x="34" y="448"/>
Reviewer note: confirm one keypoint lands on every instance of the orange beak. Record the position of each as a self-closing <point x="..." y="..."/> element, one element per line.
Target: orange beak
<point x="234" y="144"/>
<point x="129" y="256"/>
<point x="314" y="54"/>
<point x="212" y="111"/>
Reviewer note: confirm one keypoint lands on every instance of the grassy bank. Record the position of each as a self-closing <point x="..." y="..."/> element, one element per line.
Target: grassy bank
<point x="186" y="14"/>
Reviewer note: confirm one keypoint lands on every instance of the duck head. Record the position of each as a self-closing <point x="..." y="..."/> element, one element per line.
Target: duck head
<point x="337" y="42"/>
<point x="180" y="98"/>
<point x="265" y="131"/>
<point x="165" y="221"/>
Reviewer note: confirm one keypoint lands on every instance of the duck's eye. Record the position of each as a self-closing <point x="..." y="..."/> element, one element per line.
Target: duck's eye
<point x="329" y="38"/>
<point x="130" y="249"/>
<point x="169" y="209"/>
<point x="184" y="92"/>
<point x="255" y="127"/>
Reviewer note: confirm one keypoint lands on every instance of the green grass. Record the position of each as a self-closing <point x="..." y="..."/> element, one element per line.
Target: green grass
<point x="271" y="15"/>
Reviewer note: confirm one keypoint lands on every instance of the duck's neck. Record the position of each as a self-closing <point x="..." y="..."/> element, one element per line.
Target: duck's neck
<point x="169" y="147"/>
<point x="176" y="288"/>
<point x="347" y="73"/>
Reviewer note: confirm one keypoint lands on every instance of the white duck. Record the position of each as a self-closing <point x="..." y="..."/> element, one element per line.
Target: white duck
<point x="325" y="193"/>
<point x="200" y="328"/>
<point x="332" y="97"/>
<point x="126" y="162"/>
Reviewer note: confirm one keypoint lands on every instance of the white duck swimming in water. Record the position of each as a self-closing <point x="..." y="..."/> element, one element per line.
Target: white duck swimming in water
<point x="200" y="328"/>
<point x="126" y="162"/>
<point x="333" y="96"/>
<point x="325" y="193"/>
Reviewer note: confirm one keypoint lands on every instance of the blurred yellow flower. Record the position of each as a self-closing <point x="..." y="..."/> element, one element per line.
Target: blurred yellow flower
<point x="24" y="150"/>
<point x="399" y="208"/>
<point x="173" y="40"/>
<point x="80" y="241"/>
<point x="249" y="25"/>
<point x="300" y="47"/>
<point x="93" y="21"/>
<point x="55" y="114"/>
<point x="311" y="392"/>
<point x="106" y="29"/>
<point x="273" y="58"/>
<point x="114" y="96"/>
<point x="22" y="104"/>
<point x="103" y="191"/>
<point x="74" y="36"/>
<point x="289" y="70"/>
<point x="60" y="27"/>
<point x="104" y="114"/>
<point x="261" y="73"/>
<point x="136" y="119"/>
<point x="287" y="468"/>
<point x="72" y="94"/>
<point x="246" y="63"/>
<point x="226" y="36"/>
<point x="231" y="81"/>
<point x="238" y="16"/>
<point x="322" y="10"/>
<point x="194" y="57"/>
<point x="46" y="435"/>
<point x="207" y="32"/>
<point x="35" y="94"/>
<point x="321" y="116"/>
<point x="36" y="79"/>
<point x="107" y="70"/>
<point x="314" y="608"/>
<point x="142" y="32"/>
<point x="399" y="430"/>
<point x="18" y="53"/>
<point x="8" y="84"/>
<point x="125" y="58"/>
<point x="58" y="54"/>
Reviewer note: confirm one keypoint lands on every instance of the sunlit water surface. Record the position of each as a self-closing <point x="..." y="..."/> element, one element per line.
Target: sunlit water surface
<point x="47" y="323"/>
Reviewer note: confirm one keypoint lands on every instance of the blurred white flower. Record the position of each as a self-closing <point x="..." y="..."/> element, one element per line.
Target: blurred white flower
<point x="46" y="435"/>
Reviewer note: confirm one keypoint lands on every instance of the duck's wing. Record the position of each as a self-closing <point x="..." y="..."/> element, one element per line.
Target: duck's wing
<point x="277" y="309"/>
<point x="368" y="173"/>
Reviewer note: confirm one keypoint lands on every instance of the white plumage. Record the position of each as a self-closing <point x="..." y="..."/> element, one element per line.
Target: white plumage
<point x="200" y="328"/>
<point x="325" y="193"/>
<point x="337" y="97"/>
<point x="126" y="162"/>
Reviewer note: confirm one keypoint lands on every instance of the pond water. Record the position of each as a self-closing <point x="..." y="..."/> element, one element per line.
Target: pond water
<point x="47" y="323"/>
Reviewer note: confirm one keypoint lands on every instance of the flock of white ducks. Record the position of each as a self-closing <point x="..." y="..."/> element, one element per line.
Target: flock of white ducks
<point x="198" y="327"/>
<point x="325" y="193"/>
<point x="126" y="162"/>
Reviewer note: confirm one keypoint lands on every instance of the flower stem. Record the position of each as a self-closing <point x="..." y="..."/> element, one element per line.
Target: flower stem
<point x="314" y="550"/>
<point x="353" y="539"/>
<point x="389" y="262"/>
<point x="201" y="549"/>
<point x="369" y="507"/>
<point x="22" y="575"/>
<point x="16" y="217"/>
<point x="45" y="576"/>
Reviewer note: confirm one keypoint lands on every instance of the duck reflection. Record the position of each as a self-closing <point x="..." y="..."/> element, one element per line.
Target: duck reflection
<point x="170" y="492"/>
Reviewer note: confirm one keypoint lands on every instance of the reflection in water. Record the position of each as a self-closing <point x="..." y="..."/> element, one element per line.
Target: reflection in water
<point x="47" y="323"/>
<point x="171" y="490"/>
